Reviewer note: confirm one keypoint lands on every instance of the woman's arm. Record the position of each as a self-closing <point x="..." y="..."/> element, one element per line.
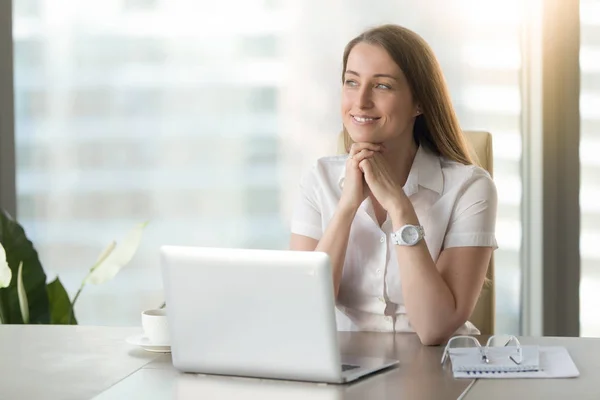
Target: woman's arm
<point x="334" y="242"/>
<point x="440" y="297"/>
<point x="335" y="238"/>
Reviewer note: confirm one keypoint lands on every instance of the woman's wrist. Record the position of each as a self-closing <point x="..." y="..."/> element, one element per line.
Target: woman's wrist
<point x="403" y="213"/>
<point x="347" y="209"/>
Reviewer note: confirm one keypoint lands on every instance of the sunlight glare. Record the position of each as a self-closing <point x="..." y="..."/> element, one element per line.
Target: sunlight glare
<point x="491" y="11"/>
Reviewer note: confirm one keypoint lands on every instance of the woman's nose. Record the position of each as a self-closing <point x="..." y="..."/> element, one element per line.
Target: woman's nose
<point x="365" y="98"/>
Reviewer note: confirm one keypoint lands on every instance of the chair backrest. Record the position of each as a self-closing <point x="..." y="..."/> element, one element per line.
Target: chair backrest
<point x="484" y="314"/>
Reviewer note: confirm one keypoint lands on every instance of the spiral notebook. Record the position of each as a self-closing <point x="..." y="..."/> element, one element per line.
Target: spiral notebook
<point x="536" y="362"/>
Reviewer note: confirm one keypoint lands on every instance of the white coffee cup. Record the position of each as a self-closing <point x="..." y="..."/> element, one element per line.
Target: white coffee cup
<point x="156" y="327"/>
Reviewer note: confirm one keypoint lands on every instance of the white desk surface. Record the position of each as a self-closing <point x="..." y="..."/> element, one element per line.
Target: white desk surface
<point x="65" y="362"/>
<point x="83" y="362"/>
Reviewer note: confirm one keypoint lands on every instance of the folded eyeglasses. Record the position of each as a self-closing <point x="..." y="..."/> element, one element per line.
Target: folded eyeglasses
<point x="487" y="352"/>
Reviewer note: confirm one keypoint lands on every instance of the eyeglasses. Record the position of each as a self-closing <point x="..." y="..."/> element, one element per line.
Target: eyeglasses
<point x="511" y="349"/>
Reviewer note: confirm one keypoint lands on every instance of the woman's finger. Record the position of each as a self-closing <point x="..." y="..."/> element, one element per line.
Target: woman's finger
<point x="358" y="147"/>
<point x="363" y="154"/>
<point x="365" y="167"/>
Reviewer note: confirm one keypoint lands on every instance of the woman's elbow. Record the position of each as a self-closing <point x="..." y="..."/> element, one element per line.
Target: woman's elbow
<point x="432" y="338"/>
<point x="435" y="334"/>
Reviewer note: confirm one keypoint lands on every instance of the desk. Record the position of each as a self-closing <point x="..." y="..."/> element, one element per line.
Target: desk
<point x="64" y="362"/>
<point x="80" y="362"/>
<point x="70" y="362"/>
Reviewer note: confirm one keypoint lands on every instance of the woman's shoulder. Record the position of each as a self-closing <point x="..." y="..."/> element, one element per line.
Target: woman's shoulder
<point x="326" y="170"/>
<point x="469" y="184"/>
<point x="332" y="161"/>
<point x="329" y="165"/>
<point x="456" y="173"/>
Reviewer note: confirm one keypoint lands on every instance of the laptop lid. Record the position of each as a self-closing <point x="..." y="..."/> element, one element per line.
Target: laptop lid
<point x="261" y="313"/>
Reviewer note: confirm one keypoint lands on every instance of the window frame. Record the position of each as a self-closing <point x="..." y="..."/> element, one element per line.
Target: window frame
<point x="551" y="261"/>
<point x="8" y="193"/>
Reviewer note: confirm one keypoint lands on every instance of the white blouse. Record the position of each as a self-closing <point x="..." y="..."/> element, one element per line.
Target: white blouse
<point x="455" y="203"/>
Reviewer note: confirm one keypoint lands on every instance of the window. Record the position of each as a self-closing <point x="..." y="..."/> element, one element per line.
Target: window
<point x="201" y="121"/>
<point x="590" y="167"/>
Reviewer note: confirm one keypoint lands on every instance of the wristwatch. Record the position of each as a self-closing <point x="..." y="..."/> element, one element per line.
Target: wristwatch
<point x="408" y="235"/>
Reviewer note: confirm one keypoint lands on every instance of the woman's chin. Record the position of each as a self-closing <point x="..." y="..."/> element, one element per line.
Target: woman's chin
<point x="365" y="138"/>
<point x="366" y="134"/>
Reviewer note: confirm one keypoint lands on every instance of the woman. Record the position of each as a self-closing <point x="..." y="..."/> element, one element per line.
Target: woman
<point x="407" y="219"/>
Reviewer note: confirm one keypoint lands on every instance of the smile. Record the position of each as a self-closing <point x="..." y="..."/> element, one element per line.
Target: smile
<point x="363" y="120"/>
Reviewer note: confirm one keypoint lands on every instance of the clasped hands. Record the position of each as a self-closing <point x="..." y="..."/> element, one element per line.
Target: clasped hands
<point x="369" y="173"/>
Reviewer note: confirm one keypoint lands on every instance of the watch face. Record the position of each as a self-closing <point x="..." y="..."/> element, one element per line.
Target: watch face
<point x="410" y="235"/>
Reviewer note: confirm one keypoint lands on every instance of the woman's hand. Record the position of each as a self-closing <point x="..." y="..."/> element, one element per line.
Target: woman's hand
<point x="355" y="189"/>
<point x="383" y="183"/>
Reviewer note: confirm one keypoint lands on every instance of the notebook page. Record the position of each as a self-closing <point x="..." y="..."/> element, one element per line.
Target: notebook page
<point x="468" y="359"/>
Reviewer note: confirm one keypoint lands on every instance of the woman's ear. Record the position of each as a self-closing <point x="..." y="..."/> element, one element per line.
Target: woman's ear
<point x="418" y="110"/>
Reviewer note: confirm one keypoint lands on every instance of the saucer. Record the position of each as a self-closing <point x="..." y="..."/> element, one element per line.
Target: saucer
<point x="144" y="343"/>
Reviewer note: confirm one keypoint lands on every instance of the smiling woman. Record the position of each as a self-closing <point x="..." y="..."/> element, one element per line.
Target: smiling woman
<point x="377" y="101"/>
<point x="407" y="219"/>
<point x="403" y="80"/>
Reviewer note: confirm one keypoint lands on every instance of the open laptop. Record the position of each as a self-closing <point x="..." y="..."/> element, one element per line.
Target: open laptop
<point x="256" y="313"/>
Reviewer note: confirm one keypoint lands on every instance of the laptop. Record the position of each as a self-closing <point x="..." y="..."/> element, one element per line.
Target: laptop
<point x="256" y="313"/>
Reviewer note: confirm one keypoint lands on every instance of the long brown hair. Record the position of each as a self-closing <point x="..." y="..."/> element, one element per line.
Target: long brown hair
<point x="437" y="127"/>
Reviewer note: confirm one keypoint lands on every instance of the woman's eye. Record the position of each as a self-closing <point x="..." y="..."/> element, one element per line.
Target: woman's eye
<point x="383" y="86"/>
<point x="350" y="82"/>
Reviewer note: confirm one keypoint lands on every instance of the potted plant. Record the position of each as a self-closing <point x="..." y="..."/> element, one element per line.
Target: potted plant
<point x="25" y="297"/>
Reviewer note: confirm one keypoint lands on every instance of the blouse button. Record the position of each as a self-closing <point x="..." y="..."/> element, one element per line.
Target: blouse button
<point x="382" y="239"/>
<point x="378" y="271"/>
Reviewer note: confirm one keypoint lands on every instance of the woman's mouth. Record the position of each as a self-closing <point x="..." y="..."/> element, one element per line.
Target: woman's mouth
<point x="364" y="119"/>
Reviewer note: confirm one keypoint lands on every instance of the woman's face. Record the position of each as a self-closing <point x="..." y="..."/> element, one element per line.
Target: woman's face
<point x="377" y="104"/>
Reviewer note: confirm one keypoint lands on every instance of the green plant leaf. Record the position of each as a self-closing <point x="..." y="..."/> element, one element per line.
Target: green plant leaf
<point x="20" y="249"/>
<point x="116" y="259"/>
<point x="23" y="304"/>
<point x="60" y="305"/>
<point x="5" y="272"/>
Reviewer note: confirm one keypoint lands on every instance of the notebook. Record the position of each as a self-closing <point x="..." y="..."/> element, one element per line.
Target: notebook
<point x="537" y="362"/>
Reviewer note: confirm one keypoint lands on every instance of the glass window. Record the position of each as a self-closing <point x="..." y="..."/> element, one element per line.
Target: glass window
<point x="201" y="121"/>
<point x="589" y="149"/>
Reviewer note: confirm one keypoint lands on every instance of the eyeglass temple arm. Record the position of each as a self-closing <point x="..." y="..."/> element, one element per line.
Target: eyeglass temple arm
<point x="447" y="348"/>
